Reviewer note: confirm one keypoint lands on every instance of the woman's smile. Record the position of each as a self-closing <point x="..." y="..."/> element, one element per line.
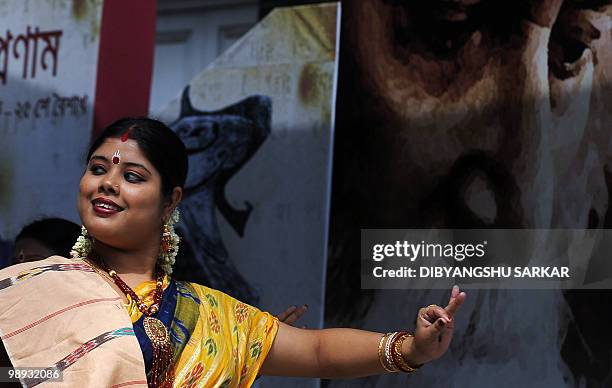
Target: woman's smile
<point x="104" y="207"/>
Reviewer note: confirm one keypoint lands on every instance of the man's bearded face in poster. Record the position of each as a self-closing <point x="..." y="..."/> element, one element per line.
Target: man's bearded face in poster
<point x="483" y="113"/>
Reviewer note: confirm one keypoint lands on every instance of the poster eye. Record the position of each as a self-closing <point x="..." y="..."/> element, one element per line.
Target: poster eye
<point x="567" y="59"/>
<point x="570" y="47"/>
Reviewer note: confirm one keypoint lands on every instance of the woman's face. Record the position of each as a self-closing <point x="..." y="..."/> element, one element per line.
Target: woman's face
<point x="121" y="204"/>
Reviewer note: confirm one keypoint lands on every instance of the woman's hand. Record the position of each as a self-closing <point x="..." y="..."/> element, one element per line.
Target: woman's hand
<point x="292" y="314"/>
<point x="434" y="331"/>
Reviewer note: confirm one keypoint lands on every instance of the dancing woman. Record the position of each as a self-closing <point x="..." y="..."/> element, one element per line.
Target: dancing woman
<point x="112" y="315"/>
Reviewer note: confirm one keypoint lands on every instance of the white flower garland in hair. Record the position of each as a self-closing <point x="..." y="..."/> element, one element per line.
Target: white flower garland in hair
<point x="82" y="247"/>
<point x="167" y="259"/>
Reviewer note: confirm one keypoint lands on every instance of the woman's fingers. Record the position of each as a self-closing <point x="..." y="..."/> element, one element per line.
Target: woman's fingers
<point x="292" y="314"/>
<point x="430" y="314"/>
<point x="456" y="300"/>
<point x="454" y="291"/>
<point x="296" y="314"/>
<point x="283" y="316"/>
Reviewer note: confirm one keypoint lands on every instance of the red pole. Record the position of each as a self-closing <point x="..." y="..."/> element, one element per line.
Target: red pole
<point x="125" y="61"/>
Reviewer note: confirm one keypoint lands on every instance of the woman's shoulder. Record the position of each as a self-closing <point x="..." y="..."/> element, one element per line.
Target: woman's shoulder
<point x="211" y="297"/>
<point x="206" y="292"/>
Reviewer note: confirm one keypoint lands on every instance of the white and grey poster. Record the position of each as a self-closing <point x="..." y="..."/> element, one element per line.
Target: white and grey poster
<point x="48" y="60"/>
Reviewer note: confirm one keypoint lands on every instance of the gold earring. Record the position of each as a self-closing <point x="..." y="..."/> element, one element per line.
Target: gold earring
<point x="166" y="240"/>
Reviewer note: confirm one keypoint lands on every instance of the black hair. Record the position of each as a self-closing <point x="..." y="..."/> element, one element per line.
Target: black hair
<point x="56" y="234"/>
<point x="160" y="145"/>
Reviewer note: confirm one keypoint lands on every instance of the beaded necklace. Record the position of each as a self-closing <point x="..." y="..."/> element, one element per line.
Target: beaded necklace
<point x="162" y="369"/>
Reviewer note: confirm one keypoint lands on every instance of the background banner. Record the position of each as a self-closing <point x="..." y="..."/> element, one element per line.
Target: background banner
<point x="478" y="115"/>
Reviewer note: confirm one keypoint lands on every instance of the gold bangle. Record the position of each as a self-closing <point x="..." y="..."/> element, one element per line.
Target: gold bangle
<point x="398" y="356"/>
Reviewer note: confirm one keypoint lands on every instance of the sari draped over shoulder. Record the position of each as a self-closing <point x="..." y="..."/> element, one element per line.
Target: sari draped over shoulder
<point x="60" y="313"/>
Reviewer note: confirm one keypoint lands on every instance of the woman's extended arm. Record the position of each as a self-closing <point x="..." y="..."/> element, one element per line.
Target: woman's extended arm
<point x="338" y="353"/>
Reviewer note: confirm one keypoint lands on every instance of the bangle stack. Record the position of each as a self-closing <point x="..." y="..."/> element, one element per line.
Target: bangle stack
<point x="390" y="353"/>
